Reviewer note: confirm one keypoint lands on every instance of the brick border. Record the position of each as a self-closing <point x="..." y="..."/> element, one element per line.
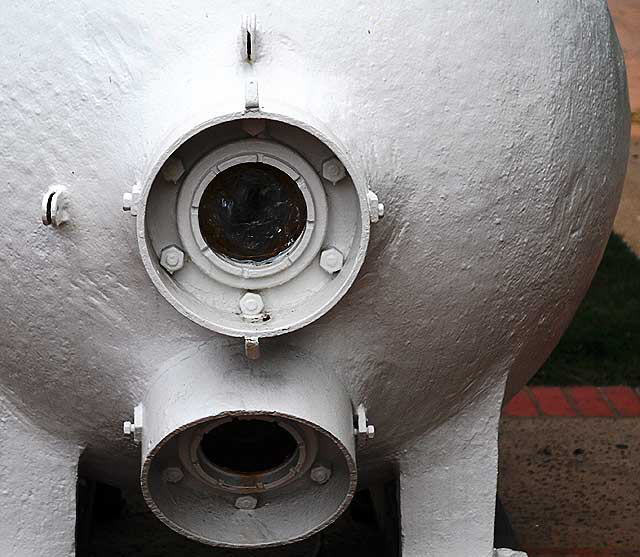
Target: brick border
<point x="566" y="402"/>
<point x="580" y="552"/>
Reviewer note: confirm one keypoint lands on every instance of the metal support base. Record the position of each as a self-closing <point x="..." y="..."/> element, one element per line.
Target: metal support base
<point x="38" y="494"/>
<point x="448" y="485"/>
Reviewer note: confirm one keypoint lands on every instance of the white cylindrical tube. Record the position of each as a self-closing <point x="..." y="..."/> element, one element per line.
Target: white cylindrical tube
<point x="232" y="449"/>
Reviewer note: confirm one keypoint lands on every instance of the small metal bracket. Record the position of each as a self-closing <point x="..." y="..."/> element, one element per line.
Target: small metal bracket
<point x="252" y="347"/>
<point x="55" y="206"/>
<point x="249" y="54"/>
<point x="364" y="431"/>
<point x="252" y="100"/>
<point x="135" y="428"/>
<point x="249" y="38"/>
<point x="376" y="209"/>
<point x="131" y="199"/>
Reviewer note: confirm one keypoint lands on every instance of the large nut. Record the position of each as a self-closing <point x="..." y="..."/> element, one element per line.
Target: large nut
<point x="173" y="475"/>
<point x="246" y="503"/>
<point x="173" y="169"/>
<point x="333" y="170"/>
<point x="320" y="474"/>
<point x="172" y="259"/>
<point x="251" y="304"/>
<point x="331" y="260"/>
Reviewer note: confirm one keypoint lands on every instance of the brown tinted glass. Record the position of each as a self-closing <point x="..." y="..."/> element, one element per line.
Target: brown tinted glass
<point x="252" y="212"/>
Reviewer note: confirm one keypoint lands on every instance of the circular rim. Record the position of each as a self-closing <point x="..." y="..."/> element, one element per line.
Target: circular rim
<point x="159" y="513"/>
<point x="241" y="274"/>
<point x="226" y="480"/>
<point x="290" y="116"/>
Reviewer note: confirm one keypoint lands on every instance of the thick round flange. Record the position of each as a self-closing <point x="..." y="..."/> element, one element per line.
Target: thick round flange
<point x="241" y="274"/>
<point x="231" y="447"/>
<point x="289" y="288"/>
<point x="204" y="502"/>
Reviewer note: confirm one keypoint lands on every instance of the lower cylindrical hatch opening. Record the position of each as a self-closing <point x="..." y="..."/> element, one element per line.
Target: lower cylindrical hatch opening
<point x="248" y="446"/>
<point x="247" y="454"/>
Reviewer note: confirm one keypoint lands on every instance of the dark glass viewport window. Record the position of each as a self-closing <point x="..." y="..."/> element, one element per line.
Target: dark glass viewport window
<point x="252" y="212"/>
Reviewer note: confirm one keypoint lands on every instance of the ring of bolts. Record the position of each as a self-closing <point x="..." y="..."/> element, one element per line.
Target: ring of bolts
<point x="172" y="258"/>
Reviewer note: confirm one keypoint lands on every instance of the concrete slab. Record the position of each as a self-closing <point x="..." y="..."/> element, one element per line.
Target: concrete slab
<point x="571" y="484"/>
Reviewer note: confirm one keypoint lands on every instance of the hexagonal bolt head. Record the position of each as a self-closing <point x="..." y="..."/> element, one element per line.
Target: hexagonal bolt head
<point x="333" y="170"/>
<point x="172" y="475"/>
<point x="331" y="260"/>
<point x="172" y="170"/>
<point x="172" y="259"/>
<point x="246" y="503"/>
<point x="128" y="428"/>
<point x="251" y="304"/>
<point x="320" y="474"/>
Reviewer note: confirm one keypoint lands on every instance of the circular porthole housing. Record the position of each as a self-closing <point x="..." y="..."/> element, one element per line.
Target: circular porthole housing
<point x="251" y="235"/>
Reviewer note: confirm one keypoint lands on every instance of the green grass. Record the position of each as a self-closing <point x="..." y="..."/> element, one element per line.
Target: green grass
<point x="602" y="344"/>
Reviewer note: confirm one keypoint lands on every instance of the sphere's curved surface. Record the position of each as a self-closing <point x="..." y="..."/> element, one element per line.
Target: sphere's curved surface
<point x="496" y="135"/>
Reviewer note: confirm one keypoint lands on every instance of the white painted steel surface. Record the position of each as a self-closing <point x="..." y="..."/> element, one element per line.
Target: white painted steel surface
<point x="495" y="133"/>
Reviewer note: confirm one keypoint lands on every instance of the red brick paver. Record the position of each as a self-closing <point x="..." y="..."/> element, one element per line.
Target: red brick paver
<point x="552" y="401"/>
<point x="589" y="402"/>
<point x="624" y="400"/>
<point x="563" y="402"/>
<point x="521" y="406"/>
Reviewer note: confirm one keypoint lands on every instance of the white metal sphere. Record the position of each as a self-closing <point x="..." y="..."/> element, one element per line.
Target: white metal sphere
<point x="495" y="134"/>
